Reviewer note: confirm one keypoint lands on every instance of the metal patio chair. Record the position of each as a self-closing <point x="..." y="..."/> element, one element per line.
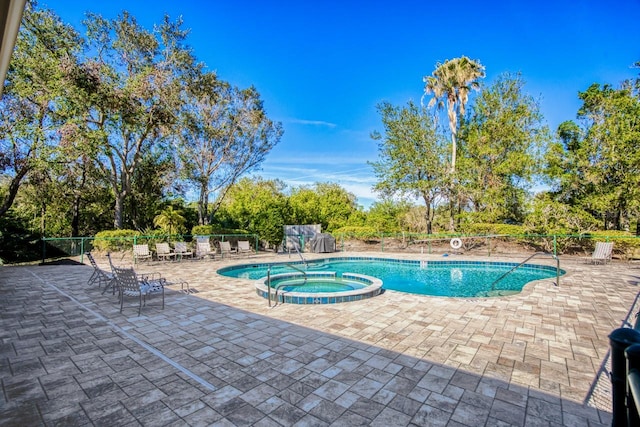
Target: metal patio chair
<point x="225" y="248"/>
<point x="164" y="252"/>
<point x="244" y="247"/>
<point x="602" y="253"/>
<point x="132" y="285"/>
<point x="141" y="252"/>
<point x="98" y="276"/>
<point x="181" y="250"/>
<point x="203" y="249"/>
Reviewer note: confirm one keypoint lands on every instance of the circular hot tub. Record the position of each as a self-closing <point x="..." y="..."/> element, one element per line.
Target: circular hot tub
<point x="318" y="287"/>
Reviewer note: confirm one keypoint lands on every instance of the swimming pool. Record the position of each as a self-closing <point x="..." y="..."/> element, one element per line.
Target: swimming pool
<point x="437" y="278"/>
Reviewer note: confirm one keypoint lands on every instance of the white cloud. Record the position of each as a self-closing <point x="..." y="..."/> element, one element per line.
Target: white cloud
<point x="311" y="122"/>
<point x="338" y="160"/>
<point x="363" y="192"/>
<point x="357" y="180"/>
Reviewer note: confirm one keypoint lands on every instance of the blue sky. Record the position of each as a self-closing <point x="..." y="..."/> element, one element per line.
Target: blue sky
<point x="322" y="66"/>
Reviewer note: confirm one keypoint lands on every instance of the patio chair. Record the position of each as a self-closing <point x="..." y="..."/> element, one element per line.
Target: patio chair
<point x="164" y="252"/>
<point x="203" y="249"/>
<point x="244" y="247"/>
<point x="601" y="254"/>
<point x="98" y="276"/>
<point x="133" y="285"/>
<point x="225" y="248"/>
<point x="141" y="252"/>
<point x="114" y="283"/>
<point x="181" y="250"/>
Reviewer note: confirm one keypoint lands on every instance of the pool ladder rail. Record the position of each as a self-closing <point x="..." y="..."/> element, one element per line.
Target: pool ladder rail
<point x="493" y="285"/>
<point x="300" y="254"/>
<point x="304" y="273"/>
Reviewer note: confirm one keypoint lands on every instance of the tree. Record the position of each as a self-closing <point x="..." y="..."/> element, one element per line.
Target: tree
<point x="128" y="88"/>
<point x="170" y="220"/>
<point x="504" y="137"/>
<point x="562" y="170"/>
<point x="225" y="133"/>
<point x="258" y="206"/>
<point x="597" y="166"/>
<point x="553" y="217"/>
<point x="327" y="204"/>
<point x="28" y="131"/>
<point x="612" y="150"/>
<point x="411" y="156"/>
<point x="452" y="81"/>
<point x="152" y="178"/>
<point x="388" y="215"/>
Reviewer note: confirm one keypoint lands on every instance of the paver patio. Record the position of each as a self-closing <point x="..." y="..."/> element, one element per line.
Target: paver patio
<point x="221" y="356"/>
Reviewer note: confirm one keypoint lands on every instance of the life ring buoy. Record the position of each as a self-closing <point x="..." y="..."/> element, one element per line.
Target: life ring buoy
<point x="455" y="243"/>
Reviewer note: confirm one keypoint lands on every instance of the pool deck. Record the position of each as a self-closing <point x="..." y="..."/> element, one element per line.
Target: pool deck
<point x="221" y="356"/>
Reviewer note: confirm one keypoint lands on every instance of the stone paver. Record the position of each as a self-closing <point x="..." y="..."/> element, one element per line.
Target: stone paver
<point x="221" y="356"/>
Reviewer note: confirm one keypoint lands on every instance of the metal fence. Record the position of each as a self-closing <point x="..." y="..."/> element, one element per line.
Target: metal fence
<point x="409" y="243"/>
<point x="61" y="247"/>
<point x="485" y="245"/>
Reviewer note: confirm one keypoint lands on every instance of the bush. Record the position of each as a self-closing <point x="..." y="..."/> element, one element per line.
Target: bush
<point x="623" y="242"/>
<point x="551" y="218"/>
<point x="485" y="228"/>
<point x="202" y="230"/>
<point x="114" y="240"/>
<point x="357" y="232"/>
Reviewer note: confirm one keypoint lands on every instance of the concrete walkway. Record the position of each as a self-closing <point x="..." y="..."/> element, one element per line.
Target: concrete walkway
<point x="221" y="356"/>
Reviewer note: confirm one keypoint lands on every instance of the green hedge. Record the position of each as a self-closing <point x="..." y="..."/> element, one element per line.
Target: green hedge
<point x="123" y="240"/>
<point x="210" y="230"/>
<point x="114" y="240"/>
<point x="357" y="232"/>
<point x="486" y="228"/>
<point x="623" y="242"/>
<point x="202" y="230"/>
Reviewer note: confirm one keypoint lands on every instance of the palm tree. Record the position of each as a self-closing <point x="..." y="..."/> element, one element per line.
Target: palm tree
<point x="452" y="81"/>
<point x="169" y="220"/>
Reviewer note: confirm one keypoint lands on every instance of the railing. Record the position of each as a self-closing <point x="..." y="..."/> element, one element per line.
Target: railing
<point x="625" y="379"/>
<point x="633" y="380"/>
<point x="77" y="246"/>
<point x="524" y="262"/>
<point x="300" y="254"/>
<point x="304" y="273"/>
<point x="413" y="243"/>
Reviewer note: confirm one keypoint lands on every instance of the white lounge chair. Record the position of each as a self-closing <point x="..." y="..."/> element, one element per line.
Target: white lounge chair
<point x="244" y="247"/>
<point x="181" y="250"/>
<point x="141" y="252"/>
<point x="164" y="252"/>
<point x="225" y="248"/>
<point x="203" y="249"/>
<point x="601" y="254"/>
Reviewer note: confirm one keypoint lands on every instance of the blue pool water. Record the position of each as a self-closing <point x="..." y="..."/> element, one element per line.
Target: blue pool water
<point x="438" y="278"/>
<point x="316" y="285"/>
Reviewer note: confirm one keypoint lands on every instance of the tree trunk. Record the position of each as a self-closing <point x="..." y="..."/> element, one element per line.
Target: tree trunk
<point x="452" y="214"/>
<point x="454" y="151"/>
<point x="203" y="206"/>
<point x="13" y="190"/>
<point x="75" y="219"/>
<point x="459" y="211"/>
<point x="43" y="221"/>
<point x="428" y="219"/>
<point x="117" y="216"/>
